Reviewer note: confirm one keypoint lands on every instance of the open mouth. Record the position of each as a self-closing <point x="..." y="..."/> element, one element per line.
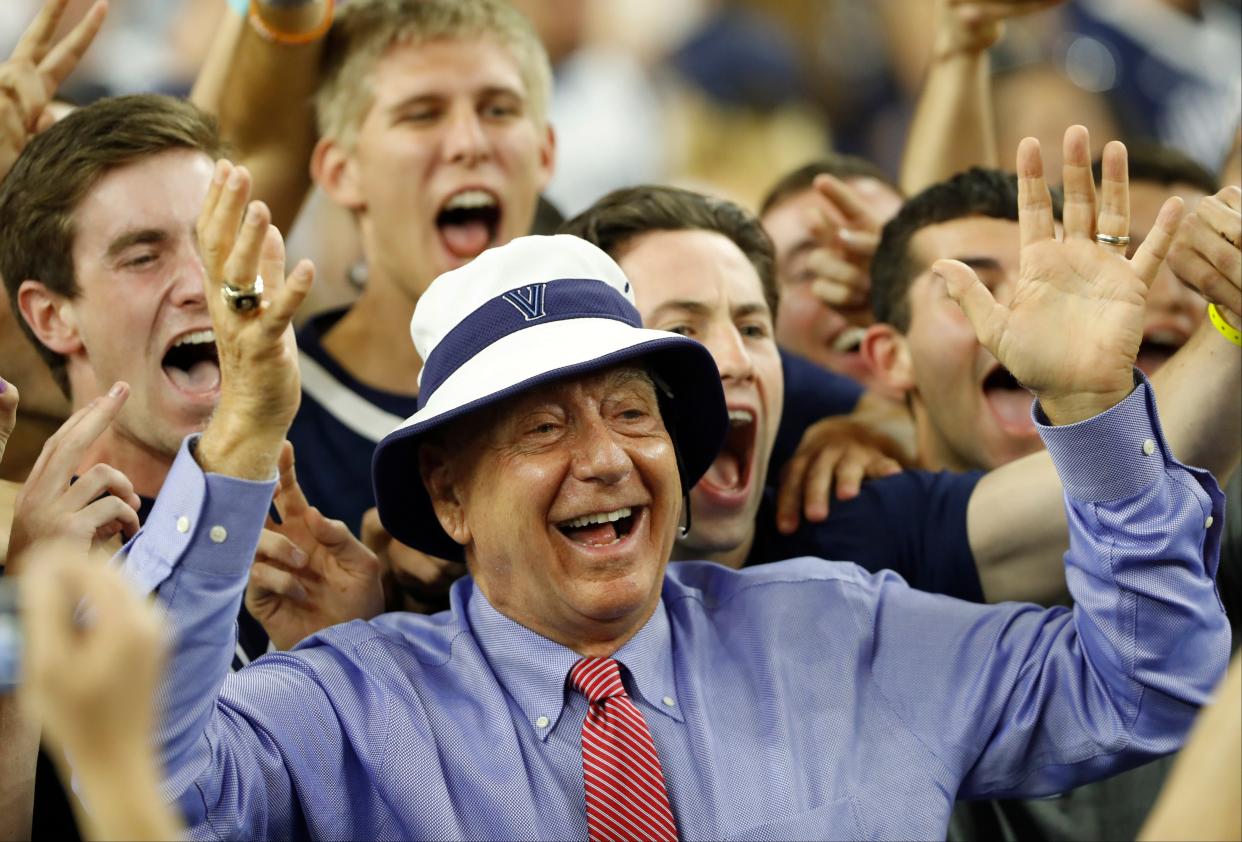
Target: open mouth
<point x="468" y="222"/>
<point x="1009" y="400"/>
<point x="192" y="363"/>
<point x="1157" y="347"/>
<point x="728" y="479"/>
<point x="849" y="340"/>
<point x="601" y="529"/>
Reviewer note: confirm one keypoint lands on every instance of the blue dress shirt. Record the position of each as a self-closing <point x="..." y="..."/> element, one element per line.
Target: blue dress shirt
<point x="794" y="700"/>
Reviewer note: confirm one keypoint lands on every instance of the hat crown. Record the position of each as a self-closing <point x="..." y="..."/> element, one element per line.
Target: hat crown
<point x="521" y="263"/>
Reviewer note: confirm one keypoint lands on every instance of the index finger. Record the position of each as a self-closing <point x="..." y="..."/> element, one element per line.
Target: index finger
<point x="846" y="200"/>
<point x="64" y="57"/>
<point x="69" y="450"/>
<point x="292" y="500"/>
<point x="33" y="43"/>
<point x="1034" y="200"/>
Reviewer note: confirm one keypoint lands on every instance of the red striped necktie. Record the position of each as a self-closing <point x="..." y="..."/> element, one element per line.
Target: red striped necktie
<point x="625" y="795"/>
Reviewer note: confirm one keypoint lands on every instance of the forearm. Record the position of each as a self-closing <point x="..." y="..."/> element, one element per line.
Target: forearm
<point x="19" y="749"/>
<point x="261" y="93"/>
<point x="953" y="126"/>
<point x="1200" y="405"/>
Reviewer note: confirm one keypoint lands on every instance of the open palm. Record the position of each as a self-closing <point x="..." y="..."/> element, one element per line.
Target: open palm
<point x="1072" y="329"/>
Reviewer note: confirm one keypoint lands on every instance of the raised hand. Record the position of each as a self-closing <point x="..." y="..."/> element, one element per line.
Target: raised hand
<point x="309" y="572"/>
<point x="833" y="452"/>
<point x="83" y="514"/>
<point x="259" y="383"/>
<point x="848" y="234"/>
<point x="1072" y="330"/>
<point x="975" y="25"/>
<point x="413" y="580"/>
<point x="1206" y="253"/>
<point x="32" y="74"/>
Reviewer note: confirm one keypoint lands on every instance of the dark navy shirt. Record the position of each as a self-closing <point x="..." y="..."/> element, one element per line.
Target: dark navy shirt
<point x="337" y="427"/>
<point x="811" y="393"/>
<point x="913" y="523"/>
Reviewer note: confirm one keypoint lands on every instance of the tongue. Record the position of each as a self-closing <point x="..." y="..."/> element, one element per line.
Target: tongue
<point x="725" y="472"/>
<point x="594" y="535"/>
<point x="203" y="376"/>
<point x="1012" y="407"/>
<point x="465" y="239"/>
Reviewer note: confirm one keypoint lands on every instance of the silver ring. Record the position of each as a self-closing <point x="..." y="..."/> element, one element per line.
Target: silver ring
<point x="243" y="299"/>
<point x="1110" y="240"/>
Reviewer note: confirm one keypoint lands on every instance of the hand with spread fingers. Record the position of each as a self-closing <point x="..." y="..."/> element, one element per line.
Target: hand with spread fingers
<point x="98" y="506"/>
<point x="37" y="67"/>
<point x="848" y="233"/>
<point x="836" y="452"/>
<point x="252" y="306"/>
<point x="1206" y="254"/>
<point x="309" y="572"/>
<point x="413" y="580"/>
<point x="9" y="399"/>
<point x="1072" y="329"/>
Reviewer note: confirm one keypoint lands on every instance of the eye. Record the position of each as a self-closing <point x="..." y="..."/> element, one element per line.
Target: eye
<point x="755" y="331"/>
<point x="140" y="260"/>
<point x="680" y="330"/>
<point x="633" y="414"/>
<point x="544" y="429"/>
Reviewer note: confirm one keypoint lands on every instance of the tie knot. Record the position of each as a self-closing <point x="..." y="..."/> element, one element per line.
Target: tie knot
<point x="598" y="679"/>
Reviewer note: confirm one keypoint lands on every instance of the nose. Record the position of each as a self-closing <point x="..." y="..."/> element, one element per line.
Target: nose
<point x="187" y="286"/>
<point x="598" y="457"/>
<point x="727" y="348"/>
<point x="465" y="142"/>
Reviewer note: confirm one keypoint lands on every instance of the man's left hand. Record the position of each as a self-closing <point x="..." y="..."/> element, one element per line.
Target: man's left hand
<point x="309" y="572"/>
<point x="1072" y="330"/>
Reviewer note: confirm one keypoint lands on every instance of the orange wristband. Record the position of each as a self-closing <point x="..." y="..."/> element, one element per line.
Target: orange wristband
<point x="291" y="39"/>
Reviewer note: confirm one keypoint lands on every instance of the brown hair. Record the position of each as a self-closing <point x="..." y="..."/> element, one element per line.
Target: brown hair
<point x="615" y="220"/>
<point x="842" y="166"/>
<point x="59" y="167"/>
<point x="365" y="29"/>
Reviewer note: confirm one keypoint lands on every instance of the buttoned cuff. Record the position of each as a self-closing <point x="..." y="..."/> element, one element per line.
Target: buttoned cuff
<point x="207" y="522"/>
<point x="1113" y="455"/>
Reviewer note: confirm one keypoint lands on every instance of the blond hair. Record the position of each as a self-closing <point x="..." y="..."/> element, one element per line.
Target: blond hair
<point x="365" y="29"/>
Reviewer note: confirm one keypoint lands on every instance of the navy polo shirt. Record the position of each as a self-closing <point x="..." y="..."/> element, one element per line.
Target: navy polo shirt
<point x="811" y="393"/>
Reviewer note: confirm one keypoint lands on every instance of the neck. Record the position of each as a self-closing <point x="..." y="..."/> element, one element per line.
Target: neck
<point x="146" y="468"/>
<point x="934" y="453"/>
<point x="734" y="557"/>
<point x="372" y="341"/>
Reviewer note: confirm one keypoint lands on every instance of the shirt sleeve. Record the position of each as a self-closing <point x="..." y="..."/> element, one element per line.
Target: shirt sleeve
<point x="1031" y="702"/>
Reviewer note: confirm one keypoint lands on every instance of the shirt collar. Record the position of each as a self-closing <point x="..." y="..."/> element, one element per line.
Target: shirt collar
<point x="534" y="670"/>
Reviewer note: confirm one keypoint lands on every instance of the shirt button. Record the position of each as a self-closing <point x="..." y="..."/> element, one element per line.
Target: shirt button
<point x="183" y="524"/>
<point x="218" y="534"/>
<point x="1149" y="447"/>
<point x="668" y="701"/>
<point x="541" y="722"/>
<point x="1207" y="524"/>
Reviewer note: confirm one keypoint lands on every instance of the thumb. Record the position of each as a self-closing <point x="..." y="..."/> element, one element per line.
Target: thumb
<point x="374" y="536"/>
<point x="986" y="316"/>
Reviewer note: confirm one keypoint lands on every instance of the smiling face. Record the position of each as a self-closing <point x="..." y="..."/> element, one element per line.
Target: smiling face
<point x="700" y="284"/>
<point x="140" y="315"/>
<point x="827" y="335"/>
<point x="969" y="412"/>
<point x="448" y="161"/>
<point x="566" y="499"/>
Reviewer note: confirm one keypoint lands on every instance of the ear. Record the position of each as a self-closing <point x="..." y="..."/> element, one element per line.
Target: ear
<point x="335" y="170"/>
<point x="437" y="477"/>
<point x="51" y="317"/>
<point x="547" y="157"/>
<point x="887" y="353"/>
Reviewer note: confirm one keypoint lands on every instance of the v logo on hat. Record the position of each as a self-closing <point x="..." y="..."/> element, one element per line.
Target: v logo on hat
<point x="528" y="300"/>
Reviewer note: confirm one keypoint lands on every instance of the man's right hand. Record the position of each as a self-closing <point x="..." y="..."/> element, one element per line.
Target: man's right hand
<point x="259" y="383"/>
<point x="413" y="580"/>
<point x="37" y="67"/>
<point x="972" y="26"/>
<point x="1206" y="253"/>
<point x="82" y="514"/>
<point x="8" y="413"/>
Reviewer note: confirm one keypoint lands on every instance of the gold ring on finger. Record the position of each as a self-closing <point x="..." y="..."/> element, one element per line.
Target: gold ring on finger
<point x="243" y="299"/>
<point x="1112" y="240"/>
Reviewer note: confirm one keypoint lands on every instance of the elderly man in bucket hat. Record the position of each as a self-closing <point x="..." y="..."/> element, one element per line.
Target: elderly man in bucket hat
<point x="580" y="687"/>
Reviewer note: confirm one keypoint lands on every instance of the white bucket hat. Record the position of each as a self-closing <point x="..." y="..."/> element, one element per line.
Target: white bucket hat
<point x="535" y="310"/>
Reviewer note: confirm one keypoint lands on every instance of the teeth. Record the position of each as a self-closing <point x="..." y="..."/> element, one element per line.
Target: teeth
<point x="470" y="199"/>
<point x="849" y="339"/>
<point x="599" y="517"/>
<point x="198" y="337"/>
<point x="741" y="417"/>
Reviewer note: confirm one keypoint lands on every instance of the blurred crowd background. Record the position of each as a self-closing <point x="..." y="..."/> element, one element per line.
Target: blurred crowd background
<point x="721" y="94"/>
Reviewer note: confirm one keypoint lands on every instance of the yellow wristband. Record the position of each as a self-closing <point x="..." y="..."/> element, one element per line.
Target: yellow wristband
<point x="1227" y="330"/>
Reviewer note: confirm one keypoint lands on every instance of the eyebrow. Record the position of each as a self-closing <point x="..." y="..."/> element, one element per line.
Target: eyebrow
<point x="144" y="236"/>
<point x="696" y="308"/>
<point x="432" y="97"/>
<point x="799" y="248"/>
